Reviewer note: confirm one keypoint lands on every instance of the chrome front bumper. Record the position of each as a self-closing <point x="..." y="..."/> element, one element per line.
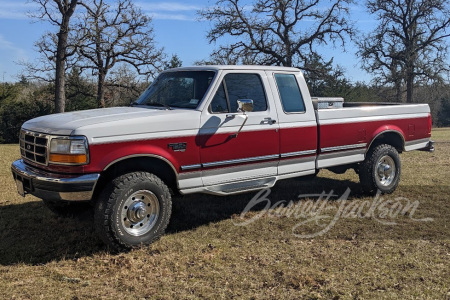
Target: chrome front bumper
<point x="52" y="186"/>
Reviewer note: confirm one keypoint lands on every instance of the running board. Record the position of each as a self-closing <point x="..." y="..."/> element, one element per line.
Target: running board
<point x="241" y="187"/>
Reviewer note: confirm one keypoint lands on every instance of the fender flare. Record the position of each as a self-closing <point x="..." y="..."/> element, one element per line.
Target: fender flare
<point x="142" y="155"/>
<point x="387" y="129"/>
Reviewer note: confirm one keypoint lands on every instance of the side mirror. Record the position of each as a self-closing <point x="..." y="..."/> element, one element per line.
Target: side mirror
<point x="245" y="105"/>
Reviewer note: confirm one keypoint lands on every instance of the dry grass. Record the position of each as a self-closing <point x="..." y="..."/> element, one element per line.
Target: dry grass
<point x="204" y="255"/>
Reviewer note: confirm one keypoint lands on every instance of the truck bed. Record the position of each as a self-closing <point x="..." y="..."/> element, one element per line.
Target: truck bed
<point x="345" y="133"/>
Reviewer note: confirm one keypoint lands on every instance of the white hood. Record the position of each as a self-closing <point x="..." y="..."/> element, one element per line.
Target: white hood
<point x="115" y="121"/>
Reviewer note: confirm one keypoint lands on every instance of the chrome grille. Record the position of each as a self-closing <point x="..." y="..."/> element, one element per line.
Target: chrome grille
<point x="33" y="146"/>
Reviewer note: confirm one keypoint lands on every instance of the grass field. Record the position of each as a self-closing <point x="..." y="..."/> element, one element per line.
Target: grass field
<point x="205" y="255"/>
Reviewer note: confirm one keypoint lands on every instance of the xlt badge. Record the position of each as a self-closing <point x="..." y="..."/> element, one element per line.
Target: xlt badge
<point x="178" y="146"/>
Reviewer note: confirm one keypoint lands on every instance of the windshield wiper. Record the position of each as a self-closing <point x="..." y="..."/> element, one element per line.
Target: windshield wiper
<point x="157" y="104"/>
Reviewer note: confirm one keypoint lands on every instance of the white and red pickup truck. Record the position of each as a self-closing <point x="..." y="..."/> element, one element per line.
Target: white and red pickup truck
<point x="210" y="129"/>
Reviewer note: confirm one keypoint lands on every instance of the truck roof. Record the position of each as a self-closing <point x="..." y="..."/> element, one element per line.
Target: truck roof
<point x="235" y="67"/>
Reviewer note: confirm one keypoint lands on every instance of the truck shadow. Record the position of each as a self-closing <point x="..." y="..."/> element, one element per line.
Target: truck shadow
<point x="31" y="234"/>
<point x="192" y="211"/>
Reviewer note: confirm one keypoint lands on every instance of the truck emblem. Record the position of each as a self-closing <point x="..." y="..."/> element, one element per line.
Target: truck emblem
<point x="179" y="147"/>
<point x="28" y="147"/>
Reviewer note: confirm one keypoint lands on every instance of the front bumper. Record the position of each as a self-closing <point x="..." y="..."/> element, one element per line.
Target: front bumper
<point x="53" y="186"/>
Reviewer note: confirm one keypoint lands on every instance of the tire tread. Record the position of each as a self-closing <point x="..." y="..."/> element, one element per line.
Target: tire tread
<point x="366" y="170"/>
<point x="105" y="206"/>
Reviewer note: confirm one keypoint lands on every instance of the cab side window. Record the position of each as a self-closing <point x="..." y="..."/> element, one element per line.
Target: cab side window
<point x="237" y="86"/>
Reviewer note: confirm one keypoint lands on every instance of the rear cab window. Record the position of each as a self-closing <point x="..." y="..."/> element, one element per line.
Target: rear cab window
<point x="290" y="95"/>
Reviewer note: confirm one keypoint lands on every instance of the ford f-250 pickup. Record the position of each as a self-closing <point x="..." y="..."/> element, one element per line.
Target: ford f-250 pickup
<point x="211" y="129"/>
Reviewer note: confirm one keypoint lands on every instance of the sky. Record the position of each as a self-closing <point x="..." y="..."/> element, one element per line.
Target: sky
<point x="177" y="29"/>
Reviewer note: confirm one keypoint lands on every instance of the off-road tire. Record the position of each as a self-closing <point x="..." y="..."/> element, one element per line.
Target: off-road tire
<point x="111" y="210"/>
<point x="371" y="168"/>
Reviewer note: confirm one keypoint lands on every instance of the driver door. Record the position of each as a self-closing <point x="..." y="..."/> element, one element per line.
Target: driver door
<point x="229" y="156"/>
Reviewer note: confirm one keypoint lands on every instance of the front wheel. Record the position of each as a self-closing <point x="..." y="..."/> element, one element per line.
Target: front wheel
<point x="381" y="170"/>
<point x="133" y="210"/>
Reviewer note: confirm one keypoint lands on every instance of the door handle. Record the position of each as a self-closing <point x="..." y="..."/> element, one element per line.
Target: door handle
<point x="269" y="120"/>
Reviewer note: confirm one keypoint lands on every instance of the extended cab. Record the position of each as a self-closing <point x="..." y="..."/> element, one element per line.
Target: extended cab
<point x="211" y="129"/>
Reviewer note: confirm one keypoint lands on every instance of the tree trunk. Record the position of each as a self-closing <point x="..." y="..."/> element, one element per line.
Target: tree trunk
<point x="289" y="55"/>
<point x="101" y="90"/>
<point x="409" y="87"/>
<point x="66" y="9"/>
<point x="398" y="91"/>
<point x="60" y="74"/>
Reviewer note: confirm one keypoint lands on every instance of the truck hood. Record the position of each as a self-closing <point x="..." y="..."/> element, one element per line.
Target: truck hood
<point x="115" y="121"/>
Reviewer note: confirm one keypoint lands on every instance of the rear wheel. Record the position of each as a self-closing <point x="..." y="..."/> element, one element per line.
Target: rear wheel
<point x="380" y="170"/>
<point x="133" y="210"/>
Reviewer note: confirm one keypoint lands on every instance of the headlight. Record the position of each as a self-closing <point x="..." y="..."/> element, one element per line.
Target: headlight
<point x="69" y="150"/>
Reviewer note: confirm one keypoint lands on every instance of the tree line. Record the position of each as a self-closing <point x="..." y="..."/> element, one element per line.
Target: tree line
<point x="99" y="49"/>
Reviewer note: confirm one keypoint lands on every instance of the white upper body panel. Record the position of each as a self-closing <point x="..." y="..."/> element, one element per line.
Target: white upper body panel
<point x="118" y="123"/>
<point x="372" y="113"/>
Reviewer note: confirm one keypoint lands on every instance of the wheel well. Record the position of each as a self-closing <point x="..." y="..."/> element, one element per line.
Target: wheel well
<point x="152" y="165"/>
<point x="392" y="138"/>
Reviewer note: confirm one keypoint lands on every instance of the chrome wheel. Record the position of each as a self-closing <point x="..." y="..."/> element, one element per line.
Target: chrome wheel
<point x="140" y="212"/>
<point x="385" y="170"/>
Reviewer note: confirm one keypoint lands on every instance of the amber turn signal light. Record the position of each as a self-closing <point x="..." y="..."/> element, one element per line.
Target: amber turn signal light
<point x="68" y="158"/>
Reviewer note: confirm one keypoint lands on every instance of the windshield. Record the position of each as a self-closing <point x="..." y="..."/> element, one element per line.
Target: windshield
<point x="183" y="89"/>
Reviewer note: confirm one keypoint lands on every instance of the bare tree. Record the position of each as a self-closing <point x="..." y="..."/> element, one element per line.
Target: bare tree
<point x="43" y="68"/>
<point x="57" y="13"/>
<point x="275" y="32"/>
<point x="113" y="34"/>
<point x="409" y="43"/>
<point x="123" y="85"/>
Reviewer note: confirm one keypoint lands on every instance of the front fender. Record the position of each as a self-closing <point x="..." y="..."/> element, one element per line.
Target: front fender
<point x="104" y="155"/>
